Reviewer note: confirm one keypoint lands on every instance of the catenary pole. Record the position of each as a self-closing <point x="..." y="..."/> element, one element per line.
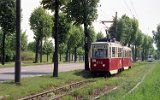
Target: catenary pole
<point x="18" y="42"/>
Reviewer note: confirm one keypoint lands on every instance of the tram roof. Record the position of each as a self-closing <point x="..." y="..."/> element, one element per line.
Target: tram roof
<point x="126" y="48"/>
<point x="109" y="43"/>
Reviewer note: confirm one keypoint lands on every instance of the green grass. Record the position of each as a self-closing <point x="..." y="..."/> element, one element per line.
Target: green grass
<point x="149" y="89"/>
<point x="38" y="84"/>
<point x="125" y="81"/>
<point x="24" y="63"/>
<point x="128" y="81"/>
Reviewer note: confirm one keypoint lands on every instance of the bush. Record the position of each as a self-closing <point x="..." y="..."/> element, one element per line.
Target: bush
<point x="27" y="56"/>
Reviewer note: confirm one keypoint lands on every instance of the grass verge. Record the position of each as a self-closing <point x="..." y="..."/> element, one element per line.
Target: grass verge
<point x="29" y="86"/>
<point x="149" y="89"/>
<point x="124" y="81"/>
<point x="128" y="81"/>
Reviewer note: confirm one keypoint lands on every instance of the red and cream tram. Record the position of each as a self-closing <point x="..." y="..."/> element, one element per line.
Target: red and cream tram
<point x="109" y="57"/>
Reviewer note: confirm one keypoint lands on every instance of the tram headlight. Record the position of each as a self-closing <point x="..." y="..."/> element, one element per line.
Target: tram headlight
<point x="103" y="65"/>
<point x="94" y="65"/>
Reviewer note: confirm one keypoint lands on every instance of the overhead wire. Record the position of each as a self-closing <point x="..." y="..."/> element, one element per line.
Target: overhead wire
<point x="131" y="2"/>
<point x="128" y="8"/>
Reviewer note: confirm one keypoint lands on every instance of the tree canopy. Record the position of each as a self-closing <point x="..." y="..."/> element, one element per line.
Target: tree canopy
<point x="156" y="35"/>
<point x="99" y="36"/>
<point x="127" y="29"/>
<point x="41" y="23"/>
<point x="7" y="21"/>
<point x="8" y="15"/>
<point x="76" y="9"/>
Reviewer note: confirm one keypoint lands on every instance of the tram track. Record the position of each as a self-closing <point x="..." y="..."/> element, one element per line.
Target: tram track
<point x="57" y="93"/>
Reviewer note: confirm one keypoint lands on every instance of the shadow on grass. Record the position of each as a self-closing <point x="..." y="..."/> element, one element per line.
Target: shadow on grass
<point x="84" y="74"/>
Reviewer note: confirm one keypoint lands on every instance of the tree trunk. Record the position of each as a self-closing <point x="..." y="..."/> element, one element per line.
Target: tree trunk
<point x="47" y="56"/>
<point x="143" y="54"/>
<point x="135" y="56"/>
<point x="53" y="56"/>
<point x="86" y="46"/>
<point x="67" y="55"/>
<point x="75" y="54"/>
<point x="37" y="49"/>
<point x="60" y="57"/>
<point x="72" y="56"/>
<point x="41" y="51"/>
<point x="3" y="47"/>
<point x="55" y="71"/>
<point x="69" y="58"/>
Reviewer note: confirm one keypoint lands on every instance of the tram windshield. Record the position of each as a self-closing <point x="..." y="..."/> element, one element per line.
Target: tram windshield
<point x="99" y="52"/>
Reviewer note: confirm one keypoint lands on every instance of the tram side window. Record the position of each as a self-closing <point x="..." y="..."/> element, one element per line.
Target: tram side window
<point x="130" y="54"/>
<point x="106" y="52"/>
<point x="113" y="52"/>
<point x="109" y="52"/>
<point x="119" y="52"/>
<point x="127" y="53"/>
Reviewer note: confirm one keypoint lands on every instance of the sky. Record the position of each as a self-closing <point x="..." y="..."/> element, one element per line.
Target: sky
<point x="146" y="11"/>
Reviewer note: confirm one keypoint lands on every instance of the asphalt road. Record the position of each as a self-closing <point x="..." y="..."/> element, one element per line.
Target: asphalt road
<point x="38" y="70"/>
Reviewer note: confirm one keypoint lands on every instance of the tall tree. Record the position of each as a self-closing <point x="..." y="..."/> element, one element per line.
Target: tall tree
<point x="55" y="5"/>
<point x="7" y="21"/>
<point x="63" y="33"/>
<point x="41" y="24"/>
<point x="126" y="30"/>
<point x="47" y="48"/>
<point x="92" y="36"/>
<point x="83" y="12"/>
<point x="146" y="45"/>
<point x="156" y="36"/>
<point x="24" y="41"/>
<point x="75" y="39"/>
<point x="134" y="31"/>
<point x="31" y="46"/>
<point x="138" y="42"/>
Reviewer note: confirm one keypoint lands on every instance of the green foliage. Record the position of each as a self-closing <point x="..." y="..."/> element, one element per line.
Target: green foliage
<point x="7" y="15"/>
<point x="76" y="37"/>
<point x="92" y="35"/>
<point x="31" y="46"/>
<point x="50" y="4"/>
<point x="157" y="37"/>
<point x="127" y="30"/>
<point x="27" y="56"/>
<point x="139" y="39"/>
<point x="41" y="23"/>
<point x="64" y="26"/>
<point x="23" y="41"/>
<point x="47" y="47"/>
<point x="99" y="36"/>
<point x="7" y="22"/>
<point x="76" y="9"/>
<point x="10" y="47"/>
<point x="80" y="51"/>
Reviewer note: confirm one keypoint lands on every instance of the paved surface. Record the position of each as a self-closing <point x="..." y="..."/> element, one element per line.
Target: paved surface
<point x="38" y="70"/>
